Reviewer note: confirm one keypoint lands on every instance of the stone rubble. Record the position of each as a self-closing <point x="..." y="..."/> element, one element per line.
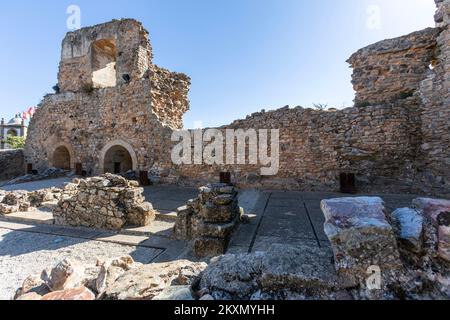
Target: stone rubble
<point x="22" y="201"/>
<point x="49" y="173"/>
<point x="107" y="202"/>
<point x="209" y="220"/>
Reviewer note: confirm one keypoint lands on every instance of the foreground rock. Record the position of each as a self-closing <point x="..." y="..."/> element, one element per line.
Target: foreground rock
<point x="410" y="223"/>
<point x="67" y="274"/>
<point x="21" y="201"/>
<point x="148" y="281"/>
<point x="50" y="173"/>
<point x="81" y="293"/>
<point x="107" y="202"/>
<point x="362" y="239"/>
<point x="209" y="220"/>
<point x="70" y="274"/>
<point x="277" y="274"/>
<point x="439" y="213"/>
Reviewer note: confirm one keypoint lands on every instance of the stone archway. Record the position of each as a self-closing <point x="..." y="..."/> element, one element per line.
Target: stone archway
<point x="118" y="157"/>
<point x="12" y="132"/>
<point x="62" y="158"/>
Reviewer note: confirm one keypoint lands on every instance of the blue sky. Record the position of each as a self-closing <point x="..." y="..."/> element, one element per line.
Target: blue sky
<point x="242" y="55"/>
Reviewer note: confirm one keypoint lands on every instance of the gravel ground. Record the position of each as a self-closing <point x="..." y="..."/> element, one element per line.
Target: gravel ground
<point x="25" y="253"/>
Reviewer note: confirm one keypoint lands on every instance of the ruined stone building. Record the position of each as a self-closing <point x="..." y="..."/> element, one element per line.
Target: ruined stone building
<point x="15" y="127"/>
<point x="115" y="111"/>
<point x="112" y="106"/>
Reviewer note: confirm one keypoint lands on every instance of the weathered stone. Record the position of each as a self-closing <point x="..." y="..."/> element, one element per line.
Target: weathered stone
<point x="32" y="284"/>
<point x="302" y="269"/>
<point x="146" y="282"/>
<point x="67" y="274"/>
<point x="110" y="271"/>
<point x="141" y="214"/>
<point x="209" y="220"/>
<point x="105" y="202"/>
<point x="182" y="229"/>
<point x="12" y="164"/>
<point x="175" y="293"/>
<point x="361" y="237"/>
<point x="439" y="212"/>
<point x="410" y="228"/>
<point x="81" y="293"/>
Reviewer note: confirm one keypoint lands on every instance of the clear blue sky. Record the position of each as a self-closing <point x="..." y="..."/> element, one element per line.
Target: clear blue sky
<point x="242" y="55"/>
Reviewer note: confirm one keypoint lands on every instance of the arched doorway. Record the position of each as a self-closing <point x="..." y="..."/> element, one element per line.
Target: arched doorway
<point x="117" y="160"/>
<point x="61" y="158"/>
<point x="117" y="155"/>
<point x="12" y="132"/>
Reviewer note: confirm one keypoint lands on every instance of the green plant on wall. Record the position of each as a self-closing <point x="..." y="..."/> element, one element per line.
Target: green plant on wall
<point x="15" y="142"/>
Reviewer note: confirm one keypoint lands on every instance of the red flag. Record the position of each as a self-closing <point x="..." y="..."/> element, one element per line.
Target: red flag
<point x="31" y="111"/>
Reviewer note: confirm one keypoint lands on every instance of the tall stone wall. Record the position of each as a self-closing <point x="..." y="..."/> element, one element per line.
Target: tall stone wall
<point x="378" y="144"/>
<point x="132" y="113"/>
<point x="169" y="94"/>
<point x="394" y="68"/>
<point x="11" y="164"/>
<point x="132" y="51"/>
<point x="435" y="94"/>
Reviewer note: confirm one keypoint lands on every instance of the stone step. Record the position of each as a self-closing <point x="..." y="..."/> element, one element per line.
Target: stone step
<point x="37" y="217"/>
<point x="161" y="227"/>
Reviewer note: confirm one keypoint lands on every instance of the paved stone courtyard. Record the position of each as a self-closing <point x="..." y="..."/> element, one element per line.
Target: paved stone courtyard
<point x="28" y="241"/>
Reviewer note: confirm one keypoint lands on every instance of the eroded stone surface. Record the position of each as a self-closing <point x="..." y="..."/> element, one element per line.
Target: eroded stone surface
<point x="148" y="281"/>
<point x="209" y="220"/>
<point x="410" y="228"/>
<point x="302" y="269"/>
<point x="361" y="237"/>
<point x="68" y="274"/>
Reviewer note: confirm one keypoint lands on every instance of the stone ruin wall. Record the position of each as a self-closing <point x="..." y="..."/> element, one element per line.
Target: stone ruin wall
<point x="376" y="143"/>
<point x="87" y="121"/>
<point x="392" y="69"/>
<point x="395" y="139"/>
<point x="435" y="118"/>
<point x="132" y="50"/>
<point x="11" y="164"/>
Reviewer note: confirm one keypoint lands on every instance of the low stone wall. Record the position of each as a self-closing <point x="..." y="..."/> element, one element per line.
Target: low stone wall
<point x="209" y="220"/>
<point x="381" y="252"/>
<point x="107" y="202"/>
<point x="11" y="164"/>
<point x="377" y="143"/>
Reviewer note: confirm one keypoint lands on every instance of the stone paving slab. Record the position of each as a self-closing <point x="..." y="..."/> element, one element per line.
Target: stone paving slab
<point x="160" y="228"/>
<point x="286" y="228"/>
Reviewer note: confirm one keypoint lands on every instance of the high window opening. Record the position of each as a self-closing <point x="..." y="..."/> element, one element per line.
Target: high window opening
<point x="103" y="61"/>
<point x="118" y="160"/>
